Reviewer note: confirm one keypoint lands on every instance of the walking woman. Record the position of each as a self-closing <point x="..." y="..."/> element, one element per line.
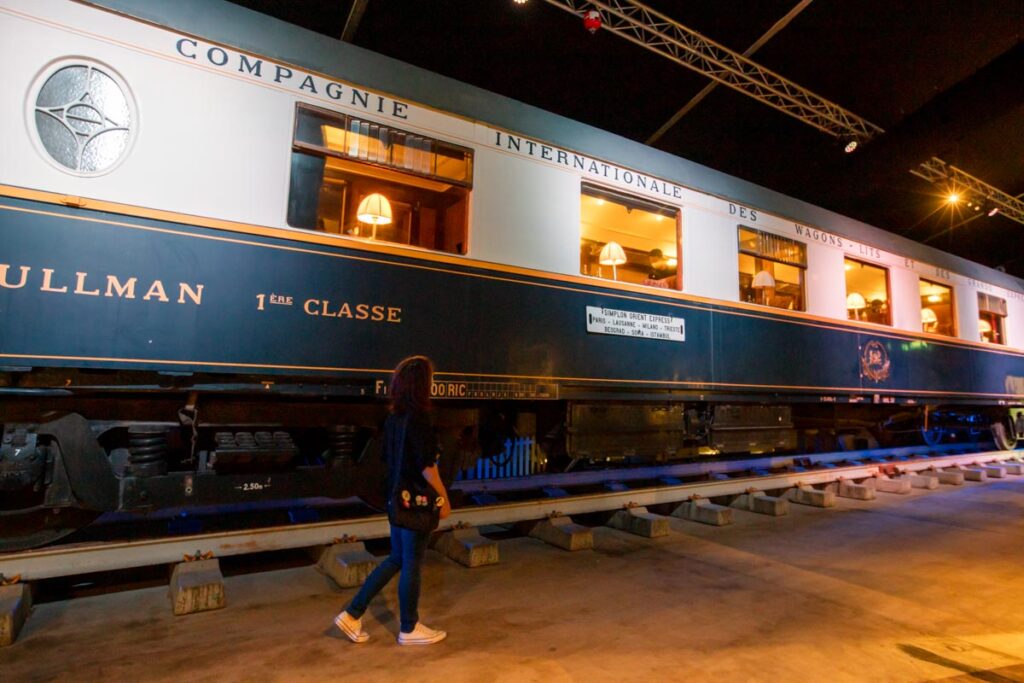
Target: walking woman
<point x="411" y="455"/>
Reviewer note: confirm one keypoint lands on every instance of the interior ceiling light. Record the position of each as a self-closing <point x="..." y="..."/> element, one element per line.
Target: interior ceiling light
<point x="850" y="146"/>
<point x="952" y="198"/>
<point x="519" y="2"/>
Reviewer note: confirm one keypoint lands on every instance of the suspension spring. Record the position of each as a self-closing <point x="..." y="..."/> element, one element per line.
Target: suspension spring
<point x="147" y="450"/>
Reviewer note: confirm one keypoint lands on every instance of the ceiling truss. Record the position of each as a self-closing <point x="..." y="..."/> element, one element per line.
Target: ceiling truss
<point x="952" y="179"/>
<point x="664" y="36"/>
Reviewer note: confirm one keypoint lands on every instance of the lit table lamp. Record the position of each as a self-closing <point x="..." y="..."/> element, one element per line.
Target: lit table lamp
<point x="762" y="281"/>
<point x="928" y="318"/>
<point x="375" y="210"/>
<point x="984" y="327"/>
<point x="612" y="255"/>
<point x="855" y="302"/>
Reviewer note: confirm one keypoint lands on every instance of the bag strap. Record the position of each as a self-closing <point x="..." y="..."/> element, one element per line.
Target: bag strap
<point x="397" y="475"/>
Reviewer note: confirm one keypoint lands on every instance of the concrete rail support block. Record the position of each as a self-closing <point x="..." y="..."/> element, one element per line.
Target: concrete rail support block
<point x="15" y="604"/>
<point x="347" y="564"/>
<point x="948" y="477"/>
<point x="640" y="522"/>
<point x="197" y="587"/>
<point x="467" y="547"/>
<point x="970" y="473"/>
<point x="1013" y="468"/>
<point x="993" y="471"/>
<point x="761" y="503"/>
<point x="808" y="495"/>
<point x="887" y="485"/>
<point x="704" y="511"/>
<point x="563" y="533"/>
<point x="920" y="481"/>
<point x="849" y="489"/>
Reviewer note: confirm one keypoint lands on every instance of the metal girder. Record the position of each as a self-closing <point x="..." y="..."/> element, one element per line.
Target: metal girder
<point x="938" y="172"/>
<point x="662" y="35"/>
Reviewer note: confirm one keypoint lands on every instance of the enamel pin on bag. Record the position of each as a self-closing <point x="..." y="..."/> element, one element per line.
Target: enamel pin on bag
<point x="414" y="505"/>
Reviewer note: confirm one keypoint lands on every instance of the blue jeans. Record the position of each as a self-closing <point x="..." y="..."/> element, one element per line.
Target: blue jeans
<point x="407" y="549"/>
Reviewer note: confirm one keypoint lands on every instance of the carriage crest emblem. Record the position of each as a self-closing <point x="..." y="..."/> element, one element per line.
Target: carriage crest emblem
<point x="874" y="361"/>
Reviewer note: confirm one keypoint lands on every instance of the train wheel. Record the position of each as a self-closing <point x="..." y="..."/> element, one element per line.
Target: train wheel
<point x="1006" y="440"/>
<point x="40" y="527"/>
<point x="933" y="436"/>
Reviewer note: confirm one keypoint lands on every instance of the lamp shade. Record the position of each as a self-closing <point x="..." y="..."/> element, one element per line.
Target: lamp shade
<point x="374" y="209"/>
<point x="984" y="326"/>
<point x="763" y="279"/>
<point x="611" y="255"/>
<point x="855" y="301"/>
<point x="928" y="317"/>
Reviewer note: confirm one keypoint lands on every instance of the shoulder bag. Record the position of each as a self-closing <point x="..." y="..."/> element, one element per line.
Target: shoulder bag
<point x="413" y="504"/>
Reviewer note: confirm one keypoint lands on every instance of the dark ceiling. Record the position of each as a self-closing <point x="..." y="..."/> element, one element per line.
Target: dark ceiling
<point x="944" y="78"/>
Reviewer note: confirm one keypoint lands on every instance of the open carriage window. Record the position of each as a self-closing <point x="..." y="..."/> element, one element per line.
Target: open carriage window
<point x="867" y="292"/>
<point x="354" y="177"/>
<point x="628" y="239"/>
<point x="937" y="308"/>
<point x="771" y="269"/>
<point x="991" y="318"/>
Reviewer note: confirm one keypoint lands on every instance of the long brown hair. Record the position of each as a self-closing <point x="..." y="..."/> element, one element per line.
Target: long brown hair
<point x="410" y="385"/>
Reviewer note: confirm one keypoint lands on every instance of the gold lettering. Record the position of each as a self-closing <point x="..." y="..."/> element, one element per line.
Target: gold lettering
<point x="157" y="290"/>
<point x="47" y="284"/>
<point x="305" y="306"/>
<point x="195" y="294"/>
<point x="378" y="313"/>
<point x="125" y="291"/>
<point x="80" y="285"/>
<point x="362" y="311"/>
<point x="8" y="285"/>
<point x="345" y="311"/>
<point x="393" y="315"/>
<point x="327" y="313"/>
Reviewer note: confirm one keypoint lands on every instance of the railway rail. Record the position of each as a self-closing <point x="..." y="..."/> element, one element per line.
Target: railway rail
<point x="75" y="559"/>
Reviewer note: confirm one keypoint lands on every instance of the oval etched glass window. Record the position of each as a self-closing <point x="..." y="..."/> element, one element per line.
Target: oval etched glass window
<point x="83" y="118"/>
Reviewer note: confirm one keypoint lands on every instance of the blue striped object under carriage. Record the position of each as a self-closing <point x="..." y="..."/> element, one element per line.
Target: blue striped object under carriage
<point x="208" y="300"/>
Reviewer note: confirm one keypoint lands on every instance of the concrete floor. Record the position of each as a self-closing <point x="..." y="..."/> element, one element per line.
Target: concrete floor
<point x="925" y="587"/>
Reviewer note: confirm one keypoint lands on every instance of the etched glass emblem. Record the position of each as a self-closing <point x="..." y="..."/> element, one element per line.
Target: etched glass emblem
<point x="83" y="118"/>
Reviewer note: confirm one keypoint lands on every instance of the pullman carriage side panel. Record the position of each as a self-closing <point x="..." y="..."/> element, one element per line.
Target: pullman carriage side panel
<point x="157" y="296"/>
<point x="763" y="353"/>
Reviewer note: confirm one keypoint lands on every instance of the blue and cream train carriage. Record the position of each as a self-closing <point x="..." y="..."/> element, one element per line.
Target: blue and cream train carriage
<point x="218" y="233"/>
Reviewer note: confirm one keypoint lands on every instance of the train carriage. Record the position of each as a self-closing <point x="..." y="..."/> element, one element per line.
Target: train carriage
<point x="212" y="251"/>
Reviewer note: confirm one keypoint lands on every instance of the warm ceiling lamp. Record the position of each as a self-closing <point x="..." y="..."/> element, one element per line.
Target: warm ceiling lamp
<point x="928" y="317"/>
<point x="850" y="146"/>
<point x="612" y="255"/>
<point x="375" y="210"/>
<point x="952" y="198"/>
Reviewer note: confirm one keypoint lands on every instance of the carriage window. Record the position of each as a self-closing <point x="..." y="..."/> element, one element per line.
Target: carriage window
<point x="358" y="178"/>
<point x="627" y="239"/>
<point x="867" y="292"/>
<point x="937" y="308"/>
<point x="771" y="269"/>
<point x="991" y="317"/>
